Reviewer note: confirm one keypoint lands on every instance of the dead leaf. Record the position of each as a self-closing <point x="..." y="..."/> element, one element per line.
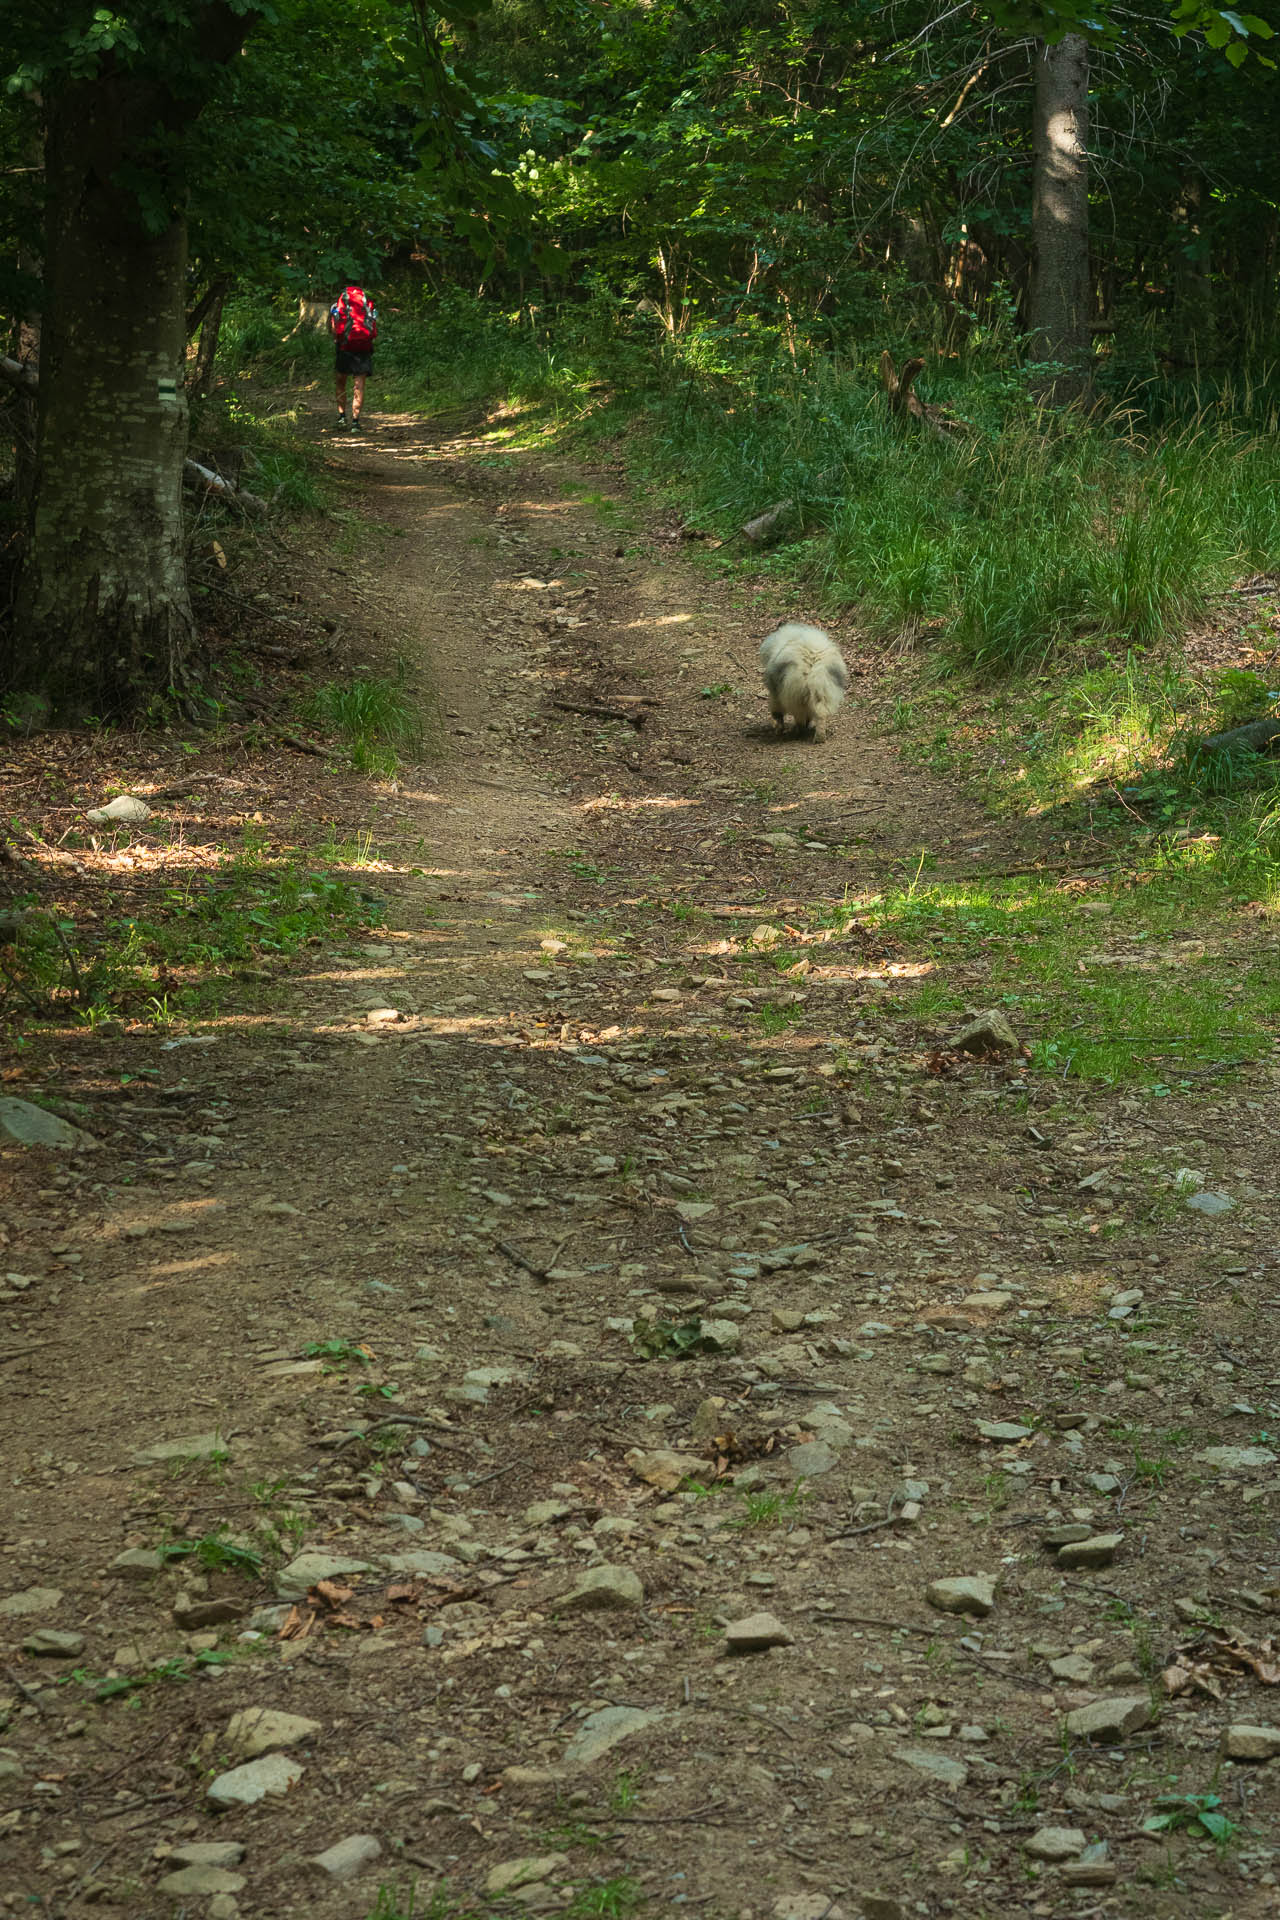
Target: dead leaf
<point x="332" y="1594"/>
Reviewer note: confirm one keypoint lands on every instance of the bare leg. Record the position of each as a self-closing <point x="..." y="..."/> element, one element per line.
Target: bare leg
<point x="340" y="384"/>
<point x="357" y="394"/>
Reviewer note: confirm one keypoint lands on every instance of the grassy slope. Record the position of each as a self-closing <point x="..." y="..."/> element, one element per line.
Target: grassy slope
<point x="1045" y="570"/>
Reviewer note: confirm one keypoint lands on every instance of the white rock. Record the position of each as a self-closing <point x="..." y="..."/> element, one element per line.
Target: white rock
<point x="952" y="1773"/>
<point x="192" y="1446"/>
<point x="293" y="1581"/>
<point x="756" y="1634"/>
<point x="1057" y="1843"/>
<point x="524" y="1872"/>
<point x="1110" y="1719"/>
<point x="256" y="1730"/>
<point x="602" y="1588"/>
<point x="1241" y="1742"/>
<point x="33" y="1126"/>
<point x="31" y="1600"/>
<point x="1231" y="1459"/>
<point x="124" y="810"/>
<point x="202" y="1880"/>
<point x="423" y="1561"/>
<point x="974" y="1594"/>
<point x="209" y="1853"/>
<point x="605" y="1729"/>
<point x="346" y="1858"/>
<point x="244" y="1786"/>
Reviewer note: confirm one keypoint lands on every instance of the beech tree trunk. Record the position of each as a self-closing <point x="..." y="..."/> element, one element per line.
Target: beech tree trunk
<point x="1061" y="289"/>
<point x="104" y="618"/>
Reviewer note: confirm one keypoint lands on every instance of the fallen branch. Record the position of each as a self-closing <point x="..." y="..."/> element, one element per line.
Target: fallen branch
<point x="904" y="400"/>
<point x="301" y="746"/>
<point x="24" y="378"/>
<point x="541" y="1274"/>
<point x="215" y="483"/>
<point x="635" y="720"/>
<point x="1255" y="736"/>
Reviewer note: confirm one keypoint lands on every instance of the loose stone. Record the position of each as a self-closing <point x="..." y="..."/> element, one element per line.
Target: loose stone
<point x="975" y="1594"/>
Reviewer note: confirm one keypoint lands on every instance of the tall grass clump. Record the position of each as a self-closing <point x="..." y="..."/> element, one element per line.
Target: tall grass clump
<point x="1027" y="531"/>
<point x="376" y="720"/>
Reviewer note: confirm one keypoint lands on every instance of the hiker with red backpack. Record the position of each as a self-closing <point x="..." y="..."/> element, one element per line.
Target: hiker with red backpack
<point x="353" y="322"/>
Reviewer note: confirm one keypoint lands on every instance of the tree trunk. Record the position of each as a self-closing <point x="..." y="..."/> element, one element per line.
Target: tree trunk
<point x="1059" y="308"/>
<point x="1193" y="332"/>
<point x="104" y="618"/>
<point x="207" y="351"/>
<point x="26" y="345"/>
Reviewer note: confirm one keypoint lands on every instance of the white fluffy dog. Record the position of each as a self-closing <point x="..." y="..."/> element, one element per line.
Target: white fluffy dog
<point x="805" y="676"/>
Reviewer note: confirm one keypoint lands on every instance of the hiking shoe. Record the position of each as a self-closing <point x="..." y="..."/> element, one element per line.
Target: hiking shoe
<point x="355" y="424"/>
<point x="340" y="424"/>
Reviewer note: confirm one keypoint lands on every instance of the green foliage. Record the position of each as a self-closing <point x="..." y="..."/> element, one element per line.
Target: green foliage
<point x="772" y="1509"/>
<point x="376" y="719"/>
<point x="1242" y="696"/>
<point x="197" y="934"/>
<point x="341" y="1353"/>
<point x="1194" y="1812"/>
<point x="670" y="1340"/>
<point x="612" y="1899"/>
<point x="121" y="1686"/>
<point x="217" y="1552"/>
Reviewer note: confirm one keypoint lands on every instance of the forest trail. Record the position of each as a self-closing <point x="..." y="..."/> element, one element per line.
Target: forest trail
<point x="564" y="1091"/>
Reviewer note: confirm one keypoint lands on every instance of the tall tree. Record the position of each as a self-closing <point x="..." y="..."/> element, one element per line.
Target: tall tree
<point x="103" y="614"/>
<point x="1061" y="284"/>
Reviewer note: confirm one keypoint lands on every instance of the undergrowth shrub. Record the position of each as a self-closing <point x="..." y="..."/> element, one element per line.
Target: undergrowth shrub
<point x="376" y="719"/>
<point x="170" y="961"/>
<point x="1029" y="530"/>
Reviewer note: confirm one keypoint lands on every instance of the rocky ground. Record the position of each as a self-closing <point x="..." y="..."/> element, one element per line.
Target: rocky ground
<point x="578" y="1400"/>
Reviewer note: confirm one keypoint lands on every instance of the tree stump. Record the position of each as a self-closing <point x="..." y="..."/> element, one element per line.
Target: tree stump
<point x="905" y="402"/>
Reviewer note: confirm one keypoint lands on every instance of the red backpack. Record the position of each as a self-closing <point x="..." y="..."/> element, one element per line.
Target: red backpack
<point x="353" y="320"/>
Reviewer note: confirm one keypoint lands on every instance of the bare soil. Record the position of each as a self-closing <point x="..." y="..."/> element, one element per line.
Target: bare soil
<point x="560" y="1091"/>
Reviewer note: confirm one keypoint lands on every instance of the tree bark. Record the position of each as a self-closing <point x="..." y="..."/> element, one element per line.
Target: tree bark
<point x="207" y="351"/>
<point x="1059" y="308"/>
<point x="1193" y="331"/>
<point x="104" y="618"/>
<point x="26" y="330"/>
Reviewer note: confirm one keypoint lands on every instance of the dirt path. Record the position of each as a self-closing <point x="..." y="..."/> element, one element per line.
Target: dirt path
<point x="564" y="1095"/>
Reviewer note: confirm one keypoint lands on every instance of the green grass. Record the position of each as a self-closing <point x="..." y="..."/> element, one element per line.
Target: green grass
<point x="257" y="443"/>
<point x="376" y="719"/>
<point x="176" y="961"/>
<point x="611" y="1899"/>
<point x="216" y="1552"/>
<point x="1138" y="995"/>
<point x="339" y="1352"/>
<point x="774" y="1020"/>
<point x="771" y="1509"/>
<point x="1031" y="531"/>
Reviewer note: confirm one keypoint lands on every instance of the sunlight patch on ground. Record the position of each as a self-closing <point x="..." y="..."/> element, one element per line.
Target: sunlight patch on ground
<point x="649" y="621"/>
<point x="199" y="1263"/>
<point x="615" y="803"/>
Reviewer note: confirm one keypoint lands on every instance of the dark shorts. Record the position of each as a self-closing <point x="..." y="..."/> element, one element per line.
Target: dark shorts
<point x="345" y="362"/>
